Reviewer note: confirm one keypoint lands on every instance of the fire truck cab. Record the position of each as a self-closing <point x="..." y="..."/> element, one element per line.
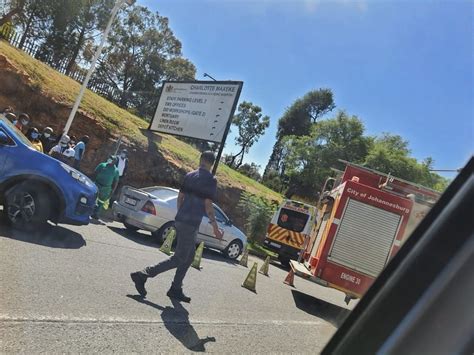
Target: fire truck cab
<point x="363" y="221"/>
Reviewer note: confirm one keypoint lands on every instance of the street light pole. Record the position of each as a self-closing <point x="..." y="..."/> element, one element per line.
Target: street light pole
<point x="115" y="10"/>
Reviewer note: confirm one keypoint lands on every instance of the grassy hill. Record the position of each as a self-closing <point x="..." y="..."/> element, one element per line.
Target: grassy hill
<point x="31" y="86"/>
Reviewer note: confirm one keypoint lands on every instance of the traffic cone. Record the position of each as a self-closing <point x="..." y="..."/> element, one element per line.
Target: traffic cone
<point x="290" y="279"/>
<point x="265" y="266"/>
<point x="251" y="280"/>
<point x="166" y="247"/>
<point x="198" y="256"/>
<point x="245" y="257"/>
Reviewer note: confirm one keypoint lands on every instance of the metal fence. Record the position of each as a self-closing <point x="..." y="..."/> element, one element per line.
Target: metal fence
<point x="78" y="74"/>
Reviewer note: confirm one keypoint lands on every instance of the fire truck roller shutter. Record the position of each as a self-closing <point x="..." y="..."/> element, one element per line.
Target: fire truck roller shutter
<point x="364" y="237"/>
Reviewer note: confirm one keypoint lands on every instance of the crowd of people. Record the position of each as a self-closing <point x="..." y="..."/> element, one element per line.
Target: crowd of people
<point x="67" y="149"/>
<point x="70" y="150"/>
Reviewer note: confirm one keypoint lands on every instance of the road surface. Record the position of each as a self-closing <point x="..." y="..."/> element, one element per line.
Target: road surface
<point x="69" y="290"/>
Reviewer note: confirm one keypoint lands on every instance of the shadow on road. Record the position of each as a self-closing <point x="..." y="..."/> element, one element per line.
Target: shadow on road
<point x="137" y="237"/>
<point x="50" y="236"/>
<point x="216" y="255"/>
<point x="319" y="308"/>
<point x="176" y="320"/>
<point x="145" y="239"/>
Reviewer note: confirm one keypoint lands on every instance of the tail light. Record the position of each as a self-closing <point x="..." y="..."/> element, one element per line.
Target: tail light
<point x="149" y="207"/>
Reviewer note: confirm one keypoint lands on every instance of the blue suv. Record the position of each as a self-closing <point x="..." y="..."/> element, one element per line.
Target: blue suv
<point x="35" y="187"/>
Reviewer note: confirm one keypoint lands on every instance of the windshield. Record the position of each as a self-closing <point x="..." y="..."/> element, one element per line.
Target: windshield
<point x="18" y="133"/>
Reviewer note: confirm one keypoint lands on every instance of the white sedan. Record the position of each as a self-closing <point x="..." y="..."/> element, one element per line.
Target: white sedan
<point x="153" y="209"/>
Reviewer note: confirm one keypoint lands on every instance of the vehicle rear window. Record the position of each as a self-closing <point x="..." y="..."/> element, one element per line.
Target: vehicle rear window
<point x="292" y="220"/>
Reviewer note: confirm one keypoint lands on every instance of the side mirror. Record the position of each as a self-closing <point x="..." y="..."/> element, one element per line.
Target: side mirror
<point x="4" y="139"/>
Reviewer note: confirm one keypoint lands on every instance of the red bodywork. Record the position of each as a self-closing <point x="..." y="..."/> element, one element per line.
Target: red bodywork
<point x="370" y="188"/>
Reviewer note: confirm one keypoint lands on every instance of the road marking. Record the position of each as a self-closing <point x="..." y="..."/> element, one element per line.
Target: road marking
<point x="48" y="319"/>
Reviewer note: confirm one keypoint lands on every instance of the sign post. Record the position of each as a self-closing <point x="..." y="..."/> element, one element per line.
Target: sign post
<point x="197" y="109"/>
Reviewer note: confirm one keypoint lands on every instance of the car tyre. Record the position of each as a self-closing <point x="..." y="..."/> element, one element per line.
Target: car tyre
<point x="158" y="235"/>
<point x="234" y="249"/>
<point x="130" y="227"/>
<point x="27" y="208"/>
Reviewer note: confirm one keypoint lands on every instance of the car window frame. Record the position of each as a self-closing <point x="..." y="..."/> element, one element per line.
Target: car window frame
<point x="12" y="141"/>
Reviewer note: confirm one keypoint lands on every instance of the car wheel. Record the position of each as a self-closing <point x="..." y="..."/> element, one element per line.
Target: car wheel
<point x="158" y="236"/>
<point x="130" y="227"/>
<point x="234" y="249"/>
<point x="27" y="208"/>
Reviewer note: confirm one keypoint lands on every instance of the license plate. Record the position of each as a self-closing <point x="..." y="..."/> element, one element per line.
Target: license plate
<point x="275" y="245"/>
<point x="130" y="201"/>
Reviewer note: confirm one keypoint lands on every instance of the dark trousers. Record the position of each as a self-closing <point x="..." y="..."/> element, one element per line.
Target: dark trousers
<point x="183" y="257"/>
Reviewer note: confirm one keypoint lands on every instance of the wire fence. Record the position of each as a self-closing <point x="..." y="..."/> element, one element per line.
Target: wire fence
<point x="63" y="66"/>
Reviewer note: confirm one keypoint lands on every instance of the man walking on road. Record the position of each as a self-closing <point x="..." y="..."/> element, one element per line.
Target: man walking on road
<point x="195" y="199"/>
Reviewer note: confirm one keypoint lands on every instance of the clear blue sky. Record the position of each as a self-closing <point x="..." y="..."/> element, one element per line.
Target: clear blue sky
<point x="404" y="67"/>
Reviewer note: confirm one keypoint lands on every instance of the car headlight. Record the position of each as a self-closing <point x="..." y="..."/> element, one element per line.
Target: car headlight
<point x="76" y="175"/>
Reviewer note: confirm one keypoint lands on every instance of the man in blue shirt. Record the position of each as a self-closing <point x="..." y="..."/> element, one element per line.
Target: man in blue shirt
<point x="79" y="149"/>
<point x="195" y="199"/>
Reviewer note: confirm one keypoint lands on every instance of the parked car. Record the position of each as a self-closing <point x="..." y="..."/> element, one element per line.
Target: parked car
<point x="35" y="187"/>
<point x="153" y="209"/>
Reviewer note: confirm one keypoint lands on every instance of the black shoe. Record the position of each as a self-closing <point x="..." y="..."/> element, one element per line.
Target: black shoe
<point x="178" y="295"/>
<point x="139" y="279"/>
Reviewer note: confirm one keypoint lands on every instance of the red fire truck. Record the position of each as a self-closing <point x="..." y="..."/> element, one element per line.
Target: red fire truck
<point x="362" y="222"/>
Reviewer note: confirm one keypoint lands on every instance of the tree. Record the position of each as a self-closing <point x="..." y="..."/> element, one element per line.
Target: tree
<point x="309" y="159"/>
<point x="297" y="121"/>
<point x="142" y="52"/>
<point x="251" y="124"/>
<point x="257" y="213"/>
<point x="251" y="170"/>
<point x="15" y="7"/>
<point x="390" y="154"/>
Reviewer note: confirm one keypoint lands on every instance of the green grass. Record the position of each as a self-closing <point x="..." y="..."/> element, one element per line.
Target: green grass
<point x="116" y="120"/>
<point x="259" y="250"/>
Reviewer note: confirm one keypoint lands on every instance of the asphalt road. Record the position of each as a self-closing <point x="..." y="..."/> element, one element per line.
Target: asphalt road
<point x="69" y="290"/>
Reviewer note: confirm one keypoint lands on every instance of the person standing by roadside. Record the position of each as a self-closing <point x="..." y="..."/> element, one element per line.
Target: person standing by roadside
<point x="79" y="150"/>
<point x="62" y="151"/>
<point x="106" y="178"/>
<point x="195" y="199"/>
<point x="122" y="163"/>
<point x="22" y="122"/>
<point x="33" y="135"/>
<point x="47" y="139"/>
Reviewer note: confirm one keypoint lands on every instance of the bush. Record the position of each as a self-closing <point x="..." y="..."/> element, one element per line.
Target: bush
<point x="257" y="214"/>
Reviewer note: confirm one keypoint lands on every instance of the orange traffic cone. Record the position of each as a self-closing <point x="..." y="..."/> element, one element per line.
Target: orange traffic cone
<point x="290" y="279"/>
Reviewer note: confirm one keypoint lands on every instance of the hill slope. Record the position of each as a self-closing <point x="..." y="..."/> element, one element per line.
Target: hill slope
<point x="47" y="96"/>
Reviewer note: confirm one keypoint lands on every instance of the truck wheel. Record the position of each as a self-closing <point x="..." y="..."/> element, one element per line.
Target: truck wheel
<point x="27" y="208"/>
<point x="159" y="235"/>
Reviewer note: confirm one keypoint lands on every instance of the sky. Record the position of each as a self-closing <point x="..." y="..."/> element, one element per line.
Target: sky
<point x="404" y="67"/>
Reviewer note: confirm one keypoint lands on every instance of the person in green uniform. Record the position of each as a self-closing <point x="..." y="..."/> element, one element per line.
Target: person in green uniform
<point x="106" y="177"/>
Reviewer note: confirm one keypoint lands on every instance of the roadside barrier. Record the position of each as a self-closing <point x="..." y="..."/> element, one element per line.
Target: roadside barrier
<point x="166" y="247"/>
<point x="250" y="282"/>
<point x="198" y="256"/>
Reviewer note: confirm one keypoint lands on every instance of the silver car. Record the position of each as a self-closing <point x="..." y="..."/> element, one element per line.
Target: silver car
<point x="153" y="209"/>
